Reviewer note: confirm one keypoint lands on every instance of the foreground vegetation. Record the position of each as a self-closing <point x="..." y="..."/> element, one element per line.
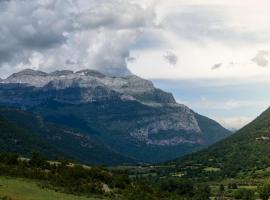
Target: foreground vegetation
<point x="38" y="179"/>
<point x="244" y="154"/>
<point x="57" y="177"/>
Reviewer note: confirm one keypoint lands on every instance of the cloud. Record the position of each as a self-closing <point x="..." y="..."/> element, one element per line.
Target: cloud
<point x="115" y="15"/>
<point x="225" y="105"/>
<point x="171" y="58"/>
<point x="207" y="21"/>
<point x="234" y="123"/>
<point x="131" y="59"/>
<point x="60" y="34"/>
<point x="196" y="22"/>
<point x="217" y="66"/>
<point x="261" y="59"/>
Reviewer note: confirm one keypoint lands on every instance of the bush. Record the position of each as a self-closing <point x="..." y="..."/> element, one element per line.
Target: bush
<point x="232" y="186"/>
<point x="5" y="198"/>
<point x="180" y="187"/>
<point x="264" y="191"/>
<point x="202" y="192"/>
<point x="244" y="194"/>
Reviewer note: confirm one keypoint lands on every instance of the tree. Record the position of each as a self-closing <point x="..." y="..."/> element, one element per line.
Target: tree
<point x="244" y="194"/>
<point x="232" y="186"/>
<point x="264" y="191"/>
<point x="202" y="192"/>
<point x="221" y="188"/>
<point x="37" y="160"/>
<point x="180" y="187"/>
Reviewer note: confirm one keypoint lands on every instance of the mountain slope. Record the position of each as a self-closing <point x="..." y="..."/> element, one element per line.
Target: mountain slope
<point x="25" y="133"/>
<point x="127" y="114"/>
<point x="245" y="152"/>
<point x="14" y="138"/>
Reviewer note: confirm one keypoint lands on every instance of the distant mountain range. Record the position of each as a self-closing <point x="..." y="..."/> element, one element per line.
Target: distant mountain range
<point x="103" y="119"/>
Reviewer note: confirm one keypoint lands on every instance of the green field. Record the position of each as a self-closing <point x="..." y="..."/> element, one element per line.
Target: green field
<point x="22" y="189"/>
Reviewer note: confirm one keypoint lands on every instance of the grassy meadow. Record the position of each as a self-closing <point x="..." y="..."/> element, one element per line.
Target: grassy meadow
<point x="23" y="189"/>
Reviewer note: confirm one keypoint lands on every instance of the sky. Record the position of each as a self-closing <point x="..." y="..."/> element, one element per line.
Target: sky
<point x="213" y="55"/>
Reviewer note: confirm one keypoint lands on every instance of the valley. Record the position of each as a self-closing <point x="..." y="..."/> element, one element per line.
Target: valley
<point x="134" y="100"/>
<point x="85" y="135"/>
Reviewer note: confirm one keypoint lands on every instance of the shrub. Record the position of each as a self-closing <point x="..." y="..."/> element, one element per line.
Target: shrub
<point x="264" y="191"/>
<point x="244" y="194"/>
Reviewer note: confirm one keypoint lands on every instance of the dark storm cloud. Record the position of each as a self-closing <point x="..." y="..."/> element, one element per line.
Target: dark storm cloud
<point x="91" y="34"/>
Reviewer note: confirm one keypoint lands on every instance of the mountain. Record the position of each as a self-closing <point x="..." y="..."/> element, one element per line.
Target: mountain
<point x="25" y="133"/>
<point x="247" y="152"/>
<point x="127" y="114"/>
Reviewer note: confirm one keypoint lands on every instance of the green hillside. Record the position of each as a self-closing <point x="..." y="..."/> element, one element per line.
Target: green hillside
<point x="15" y="138"/>
<point x="244" y="153"/>
<point x="24" y="133"/>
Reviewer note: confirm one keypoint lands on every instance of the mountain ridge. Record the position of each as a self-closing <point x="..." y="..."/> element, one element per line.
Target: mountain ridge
<point x="129" y="114"/>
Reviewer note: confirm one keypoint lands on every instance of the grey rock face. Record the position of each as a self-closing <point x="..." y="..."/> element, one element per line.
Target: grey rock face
<point x="178" y="119"/>
<point x="130" y="87"/>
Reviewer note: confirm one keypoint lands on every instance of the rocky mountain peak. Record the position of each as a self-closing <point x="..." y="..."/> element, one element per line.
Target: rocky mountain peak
<point x="89" y="72"/>
<point x="130" y="87"/>
<point x="28" y="72"/>
<point x="61" y="73"/>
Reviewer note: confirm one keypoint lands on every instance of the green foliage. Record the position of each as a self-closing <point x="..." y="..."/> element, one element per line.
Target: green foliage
<point x="24" y="133"/>
<point x="140" y="191"/>
<point x="181" y="187"/>
<point x="242" y="154"/>
<point x="202" y="192"/>
<point x="221" y="188"/>
<point x="9" y="159"/>
<point x="232" y="186"/>
<point x="78" y="179"/>
<point x="38" y="161"/>
<point x="5" y="198"/>
<point x="264" y="191"/>
<point x="244" y="194"/>
<point x="71" y="179"/>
